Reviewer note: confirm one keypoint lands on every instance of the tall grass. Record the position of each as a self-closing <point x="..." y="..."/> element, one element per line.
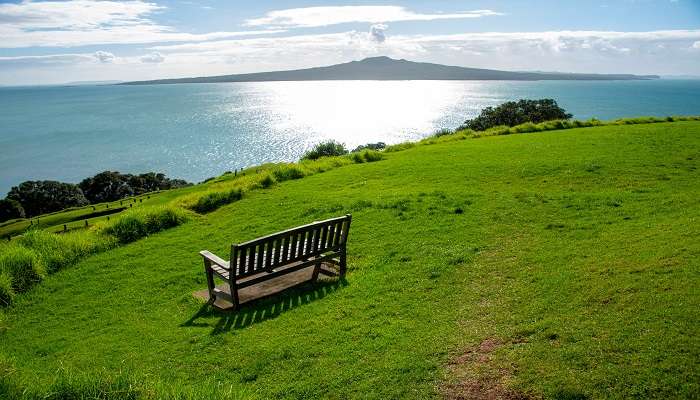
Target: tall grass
<point x="23" y="266"/>
<point x="7" y="294"/>
<point x="212" y="200"/>
<point x="28" y="259"/>
<point x="59" y="251"/>
<point x="366" y="156"/>
<point x="141" y="222"/>
<point x="122" y="385"/>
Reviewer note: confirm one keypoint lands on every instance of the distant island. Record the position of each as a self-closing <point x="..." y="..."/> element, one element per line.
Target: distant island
<point x="389" y="69"/>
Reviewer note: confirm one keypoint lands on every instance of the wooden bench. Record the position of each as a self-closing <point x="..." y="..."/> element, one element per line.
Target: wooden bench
<point x="278" y="254"/>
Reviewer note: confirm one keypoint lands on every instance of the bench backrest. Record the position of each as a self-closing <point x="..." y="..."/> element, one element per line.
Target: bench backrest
<point x="288" y="246"/>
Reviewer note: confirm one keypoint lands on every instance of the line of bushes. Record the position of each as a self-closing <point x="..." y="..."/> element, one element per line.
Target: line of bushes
<point x="529" y="127"/>
<point x="31" y="257"/>
<point x="228" y="189"/>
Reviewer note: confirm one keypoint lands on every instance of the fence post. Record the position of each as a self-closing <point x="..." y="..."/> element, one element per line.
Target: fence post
<point x="65" y="228"/>
<point x="86" y="223"/>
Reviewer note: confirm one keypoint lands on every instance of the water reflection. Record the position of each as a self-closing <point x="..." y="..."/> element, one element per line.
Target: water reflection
<point x="356" y="112"/>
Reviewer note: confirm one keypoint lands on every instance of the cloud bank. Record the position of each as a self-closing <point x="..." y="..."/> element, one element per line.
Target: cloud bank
<point x="309" y="17"/>
<point x="166" y="52"/>
<point x="89" y="22"/>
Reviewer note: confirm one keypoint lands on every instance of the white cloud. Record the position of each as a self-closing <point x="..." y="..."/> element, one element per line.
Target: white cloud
<point x="90" y="22"/>
<point x="696" y="45"/>
<point x="325" y="16"/>
<point x="153" y="58"/>
<point x="377" y="32"/>
<point x="575" y="51"/>
<point x="104" y="56"/>
<point x="47" y="59"/>
<point x="572" y="51"/>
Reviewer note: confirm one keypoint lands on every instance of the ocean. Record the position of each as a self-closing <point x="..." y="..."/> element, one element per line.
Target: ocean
<point x="195" y="131"/>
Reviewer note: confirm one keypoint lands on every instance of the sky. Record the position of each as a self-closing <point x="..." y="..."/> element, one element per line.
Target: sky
<point x="46" y="42"/>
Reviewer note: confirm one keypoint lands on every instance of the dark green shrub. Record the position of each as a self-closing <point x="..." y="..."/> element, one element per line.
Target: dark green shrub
<point x="517" y="112"/>
<point x="325" y="149"/>
<point x="23" y="265"/>
<point x="10" y="209"/>
<point x="370" y="146"/>
<point x="442" y="132"/>
<point x="213" y="200"/>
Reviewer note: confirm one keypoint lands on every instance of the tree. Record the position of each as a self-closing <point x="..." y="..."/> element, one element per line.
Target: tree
<point x="106" y="186"/>
<point x="370" y="146"/>
<point x="325" y="149"/>
<point x="40" y="197"/>
<point x="515" y="113"/>
<point x="113" y="185"/>
<point x="10" y="209"/>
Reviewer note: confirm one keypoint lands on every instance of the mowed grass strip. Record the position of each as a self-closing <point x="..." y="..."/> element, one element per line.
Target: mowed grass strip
<point x="559" y="264"/>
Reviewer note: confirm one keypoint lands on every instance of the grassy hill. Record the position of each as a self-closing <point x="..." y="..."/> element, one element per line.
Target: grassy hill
<point x="558" y="264"/>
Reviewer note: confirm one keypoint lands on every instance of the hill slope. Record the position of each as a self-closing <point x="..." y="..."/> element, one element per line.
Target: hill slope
<point x="570" y="272"/>
<point x="385" y="68"/>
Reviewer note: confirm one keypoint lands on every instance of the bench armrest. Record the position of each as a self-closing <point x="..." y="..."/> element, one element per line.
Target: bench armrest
<point x="214" y="259"/>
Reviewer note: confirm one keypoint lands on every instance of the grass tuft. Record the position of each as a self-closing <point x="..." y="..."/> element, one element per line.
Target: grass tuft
<point x="366" y="156"/>
<point x="7" y="294"/>
<point x="266" y="181"/>
<point x="210" y="201"/>
<point x="141" y="222"/>
<point x="59" y="251"/>
<point x="286" y="172"/>
<point x="24" y="266"/>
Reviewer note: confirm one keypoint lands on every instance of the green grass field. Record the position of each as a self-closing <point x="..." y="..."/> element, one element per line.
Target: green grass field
<point x="559" y="264"/>
<point x="75" y="218"/>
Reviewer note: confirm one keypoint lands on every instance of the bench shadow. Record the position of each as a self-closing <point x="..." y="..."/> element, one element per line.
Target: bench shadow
<point x="264" y="308"/>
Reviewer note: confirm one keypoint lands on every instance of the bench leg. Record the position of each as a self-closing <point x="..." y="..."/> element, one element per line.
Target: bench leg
<point x="234" y="294"/>
<point x="317" y="269"/>
<point x="343" y="263"/>
<point x="210" y="280"/>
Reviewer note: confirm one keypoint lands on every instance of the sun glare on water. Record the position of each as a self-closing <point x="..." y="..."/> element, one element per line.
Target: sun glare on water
<point x="358" y="112"/>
